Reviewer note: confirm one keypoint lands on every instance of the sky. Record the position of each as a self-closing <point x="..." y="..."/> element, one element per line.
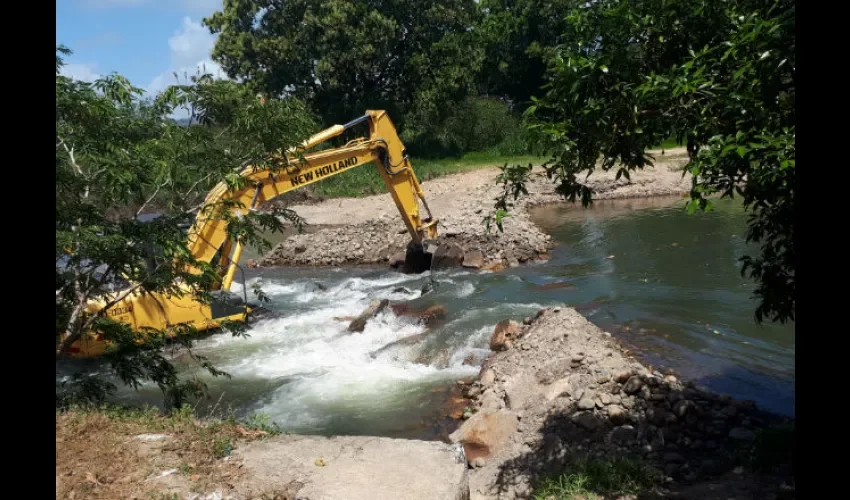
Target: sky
<point x="144" y="40"/>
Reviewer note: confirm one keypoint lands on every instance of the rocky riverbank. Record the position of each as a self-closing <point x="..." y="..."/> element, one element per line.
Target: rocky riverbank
<point x="557" y="390"/>
<point x="369" y="230"/>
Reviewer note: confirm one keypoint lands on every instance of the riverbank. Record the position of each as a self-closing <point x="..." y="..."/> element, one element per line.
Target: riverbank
<point x="559" y="395"/>
<point x="559" y="410"/>
<point x="369" y="230"/>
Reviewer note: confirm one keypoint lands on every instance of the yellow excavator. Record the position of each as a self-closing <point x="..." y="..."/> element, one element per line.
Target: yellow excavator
<point x="208" y="239"/>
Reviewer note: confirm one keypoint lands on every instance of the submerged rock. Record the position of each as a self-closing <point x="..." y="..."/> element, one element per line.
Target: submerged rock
<point x="359" y="323"/>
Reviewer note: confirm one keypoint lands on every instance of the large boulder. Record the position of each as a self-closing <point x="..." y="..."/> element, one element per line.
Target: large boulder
<point x="447" y="255"/>
<point x="473" y="259"/>
<point x="505" y="333"/>
<point x="485" y="433"/>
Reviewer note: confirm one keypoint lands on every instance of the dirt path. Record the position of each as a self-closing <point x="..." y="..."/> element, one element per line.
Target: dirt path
<point x="369" y="230"/>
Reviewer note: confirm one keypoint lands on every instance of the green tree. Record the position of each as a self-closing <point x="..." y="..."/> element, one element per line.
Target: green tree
<point x="119" y="156"/>
<point x="720" y="76"/>
<point x="413" y="58"/>
<point x="516" y="36"/>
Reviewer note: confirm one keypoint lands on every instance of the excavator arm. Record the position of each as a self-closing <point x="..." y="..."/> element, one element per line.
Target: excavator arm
<point x="209" y="240"/>
<point x="208" y="236"/>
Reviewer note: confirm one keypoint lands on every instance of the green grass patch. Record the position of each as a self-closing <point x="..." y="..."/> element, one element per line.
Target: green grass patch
<point x="669" y="144"/>
<point x="594" y="478"/>
<point x="366" y="180"/>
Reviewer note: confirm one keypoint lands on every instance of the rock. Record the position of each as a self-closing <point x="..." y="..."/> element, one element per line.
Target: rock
<point x="527" y="320"/>
<point x="586" y="404"/>
<point x="616" y="414"/>
<point x="447" y="255"/>
<point x="473" y="259"/>
<point x="359" y="324"/>
<point x="660" y="417"/>
<point x="682" y="407"/>
<point x="671" y="379"/>
<point x="491" y="401"/>
<point x="623" y="434"/>
<point x="488" y="377"/>
<point x="478" y="462"/>
<point x="632" y="385"/>
<point x="397" y="260"/>
<point x="558" y="388"/>
<point x="605" y="399"/>
<point x="415" y="470"/>
<point x="519" y="389"/>
<point x="586" y="420"/>
<point x="484" y="434"/>
<point x="742" y="434"/>
<point x="506" y="330"/>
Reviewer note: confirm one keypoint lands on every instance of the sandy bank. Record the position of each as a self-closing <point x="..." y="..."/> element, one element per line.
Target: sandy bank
<point x="369" y="231"/>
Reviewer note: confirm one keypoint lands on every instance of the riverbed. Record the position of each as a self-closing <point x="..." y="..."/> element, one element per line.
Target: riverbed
<point x="666" y="284"/>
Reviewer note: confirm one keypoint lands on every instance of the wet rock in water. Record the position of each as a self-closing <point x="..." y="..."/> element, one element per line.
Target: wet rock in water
<point x="359" y="324"/>
<point x="469" y="360"/>
<point x="427" y="288"/>
<point x="505" y="331"/>
<point x="397" y="260"/>
<point x="404" y="290"/>
<point x="473" y="259"/>
<point x="432" y="314"/>
<point x="428" y="316"/>
<point x="447" y="255"/>
<point x="632" y="385"/>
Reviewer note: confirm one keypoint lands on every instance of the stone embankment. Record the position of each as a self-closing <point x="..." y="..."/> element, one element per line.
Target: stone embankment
<point x="558" y="388"/>
<point x="370" y="231"/>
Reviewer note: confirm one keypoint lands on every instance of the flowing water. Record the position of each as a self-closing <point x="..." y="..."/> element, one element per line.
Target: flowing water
<point x="665" y="283"/>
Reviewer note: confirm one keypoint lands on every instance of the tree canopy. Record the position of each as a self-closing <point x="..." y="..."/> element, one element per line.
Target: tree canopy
<point x="718" y="76"/>
<point x="413" y="58"/>
<point x="118" y="157"/>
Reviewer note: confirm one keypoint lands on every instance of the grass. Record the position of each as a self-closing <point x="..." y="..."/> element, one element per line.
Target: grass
<point x="98" y="453"/>
<point x="366" y="180"/>
<point x="594" y="478"/>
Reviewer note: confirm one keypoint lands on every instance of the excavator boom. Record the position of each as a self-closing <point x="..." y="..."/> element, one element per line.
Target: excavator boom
<point x="210" y="242"/>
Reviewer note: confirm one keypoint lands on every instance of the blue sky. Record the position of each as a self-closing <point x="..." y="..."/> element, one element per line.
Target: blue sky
<point x="144" y="40"/>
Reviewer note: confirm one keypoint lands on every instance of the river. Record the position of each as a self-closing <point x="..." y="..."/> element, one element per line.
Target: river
<point x="666" y="284"/>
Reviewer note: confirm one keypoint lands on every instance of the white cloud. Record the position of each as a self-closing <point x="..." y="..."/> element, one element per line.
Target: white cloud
<point x="190" y="49"/>
<point x="83" y="72"/>
<point x="192" y="43"/>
